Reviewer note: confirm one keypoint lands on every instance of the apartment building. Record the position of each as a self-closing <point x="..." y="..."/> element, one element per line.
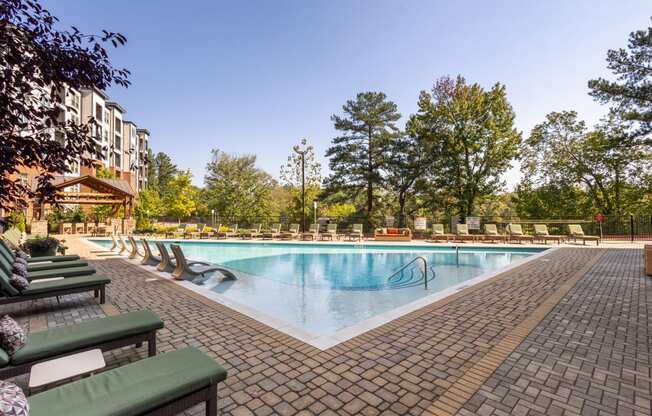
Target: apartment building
<point x="143" y="166"/>
<point x="118" y="140"/>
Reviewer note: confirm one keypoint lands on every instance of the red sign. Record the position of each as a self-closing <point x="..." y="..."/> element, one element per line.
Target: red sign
<point x="599" y="218"/>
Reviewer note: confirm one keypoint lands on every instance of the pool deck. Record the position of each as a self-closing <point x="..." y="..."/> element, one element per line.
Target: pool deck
<point x="568" y="333"/>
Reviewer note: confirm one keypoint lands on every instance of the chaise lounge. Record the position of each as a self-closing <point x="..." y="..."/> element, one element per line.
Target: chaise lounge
<point x="36" y="272"/>
<point x="149" y="258"/>
<point x="541" y="234"/>
<point x="516" y="233"/>
<point x="491" y="233"/>
<point x="312" y="233"/>
<point x="163" y="385"/>
<point x="131" y="328"/>
<point x="49" y="288"/>
<point x="438" y="233"/>
<point x="184" y="269"/>
<point x="35" y="264"/>
<point x="576" y="232"/>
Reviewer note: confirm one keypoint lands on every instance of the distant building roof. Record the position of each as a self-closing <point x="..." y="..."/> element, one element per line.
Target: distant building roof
<point x="115" y="105"/>
<point x="143" y="131"/>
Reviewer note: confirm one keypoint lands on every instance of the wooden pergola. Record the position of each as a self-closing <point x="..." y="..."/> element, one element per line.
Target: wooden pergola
<point x="115" y="192"/>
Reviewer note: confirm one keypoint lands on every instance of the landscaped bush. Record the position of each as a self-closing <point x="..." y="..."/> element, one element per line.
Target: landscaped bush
<point x="44" y="246"/>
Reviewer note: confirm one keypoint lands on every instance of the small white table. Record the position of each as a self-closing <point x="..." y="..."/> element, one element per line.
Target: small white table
<point x="64" y="368"/>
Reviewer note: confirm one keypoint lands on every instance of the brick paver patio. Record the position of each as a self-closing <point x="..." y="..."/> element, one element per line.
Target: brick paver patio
<point x="589" y="355"/>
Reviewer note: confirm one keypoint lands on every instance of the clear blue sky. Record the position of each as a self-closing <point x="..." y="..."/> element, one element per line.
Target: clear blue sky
<point x="254" y="76"/>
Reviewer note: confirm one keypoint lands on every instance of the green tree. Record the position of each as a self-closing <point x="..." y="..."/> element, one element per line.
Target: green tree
<point x="152" y="171"/>
<point x="236" y="188"/>
<point x="405" y="174"/>
<point x="291" y="178"/>
<point x="148" y="206"/>
<point x="165" y="171"/>
<point x="102" y="212"/>
<point x="469" y="137"/>
<point x="180" y="199"/>
<point x="550" y="200"/>
<point x="358" y="154"/>
<point x="631" y="93"/>
<point x="563" y="151"/>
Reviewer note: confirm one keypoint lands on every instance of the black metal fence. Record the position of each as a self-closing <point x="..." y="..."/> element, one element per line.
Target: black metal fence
<point x="625" y="227"/>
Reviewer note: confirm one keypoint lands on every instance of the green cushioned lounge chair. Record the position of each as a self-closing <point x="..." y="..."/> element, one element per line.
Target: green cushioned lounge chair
<point x="576" y="232"/>
<point x="49" y="288"/>
<point x="516" y="233"/>
<point x="356" y="233"/>
<point x="48" y="273"/>
<point x="33" y="265"/>
<point x="491" y="233"/>
<point x="273" y="232"/>
<point x="4" y="247"/>
<point x="312" y="233"/>
<point x="462" y="233"/>
<point x="541" y="234"/>
<point x="131" y="328"/>
<point x="251" y="232"/>
<point x="438" y="233"/>
<point x="166" y="384"/>
<point x="330" y="233"/>
<point x="291" y="233"/>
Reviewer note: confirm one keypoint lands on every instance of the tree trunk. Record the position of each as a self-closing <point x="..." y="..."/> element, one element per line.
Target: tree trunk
<point x="370" y="173"/>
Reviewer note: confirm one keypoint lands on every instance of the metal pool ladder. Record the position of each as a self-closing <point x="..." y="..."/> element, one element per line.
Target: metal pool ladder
<point x="401" y="278"/>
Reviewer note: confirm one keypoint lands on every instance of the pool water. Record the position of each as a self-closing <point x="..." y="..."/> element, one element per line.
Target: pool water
<point x="323" y="288"/>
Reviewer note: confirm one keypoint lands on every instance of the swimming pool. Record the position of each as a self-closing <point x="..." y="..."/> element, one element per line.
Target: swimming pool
<point x="320" y="289"/>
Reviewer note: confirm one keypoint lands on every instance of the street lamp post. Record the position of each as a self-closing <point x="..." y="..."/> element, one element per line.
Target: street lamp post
<point x="301" y="150"/>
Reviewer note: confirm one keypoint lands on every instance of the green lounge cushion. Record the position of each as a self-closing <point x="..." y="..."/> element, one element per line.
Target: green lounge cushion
<point x="58" y="265"/>
<point x="4" y="358"/>
<point x="67" y="272"/>
<point x="73" y="337"/>
<point x="70" y="257"/>
<point x="36" y="287"/>
<point x="133" y="389"/>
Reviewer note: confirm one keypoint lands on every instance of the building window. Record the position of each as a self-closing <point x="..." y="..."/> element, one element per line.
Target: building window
<point x="118" y="126"/>
<point x="98" y="112"/>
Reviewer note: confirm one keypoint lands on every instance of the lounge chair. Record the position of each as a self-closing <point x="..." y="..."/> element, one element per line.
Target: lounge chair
<point x="66" y="228"/>
<point x="491" y="233"/>
<point x="49" y="288"/>
<point x="135" y="251"/>
<point x="356" y="233"/>
<point x="291" y="233"/>
<point x="438" y="233"/>
<point x="330" y="233"/>
<point x="462" y="233"/>
<point x="180" y="232"/>
<point x="123" y="245"/>
<point x="167" y="264"/>
<point x="228" y="232"/>
<point x="33" y="264"/>
<point x="273" y="232"/>
<point x="166" y="384"/>
<point x="312" y="233"/>
<point x="541" y="234"/>
<point x="112" y="332"/>
<point x="149" y="258"/>
<point x="36" y="272"/>
<point x="576" y="232"/>
<point x="193" y="231"/>
<point x="185" y="269"/>
<point x="79" y="228"/>
<point x="516" y="233"/>
<point x="209" y="232"/>
<point x="251" y="232"/>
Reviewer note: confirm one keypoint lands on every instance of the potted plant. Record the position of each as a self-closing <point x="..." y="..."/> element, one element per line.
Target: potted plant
<point x="43" y="246"/>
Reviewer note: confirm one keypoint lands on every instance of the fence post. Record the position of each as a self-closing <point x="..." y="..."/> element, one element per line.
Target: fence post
<point x="631" y="227"/>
